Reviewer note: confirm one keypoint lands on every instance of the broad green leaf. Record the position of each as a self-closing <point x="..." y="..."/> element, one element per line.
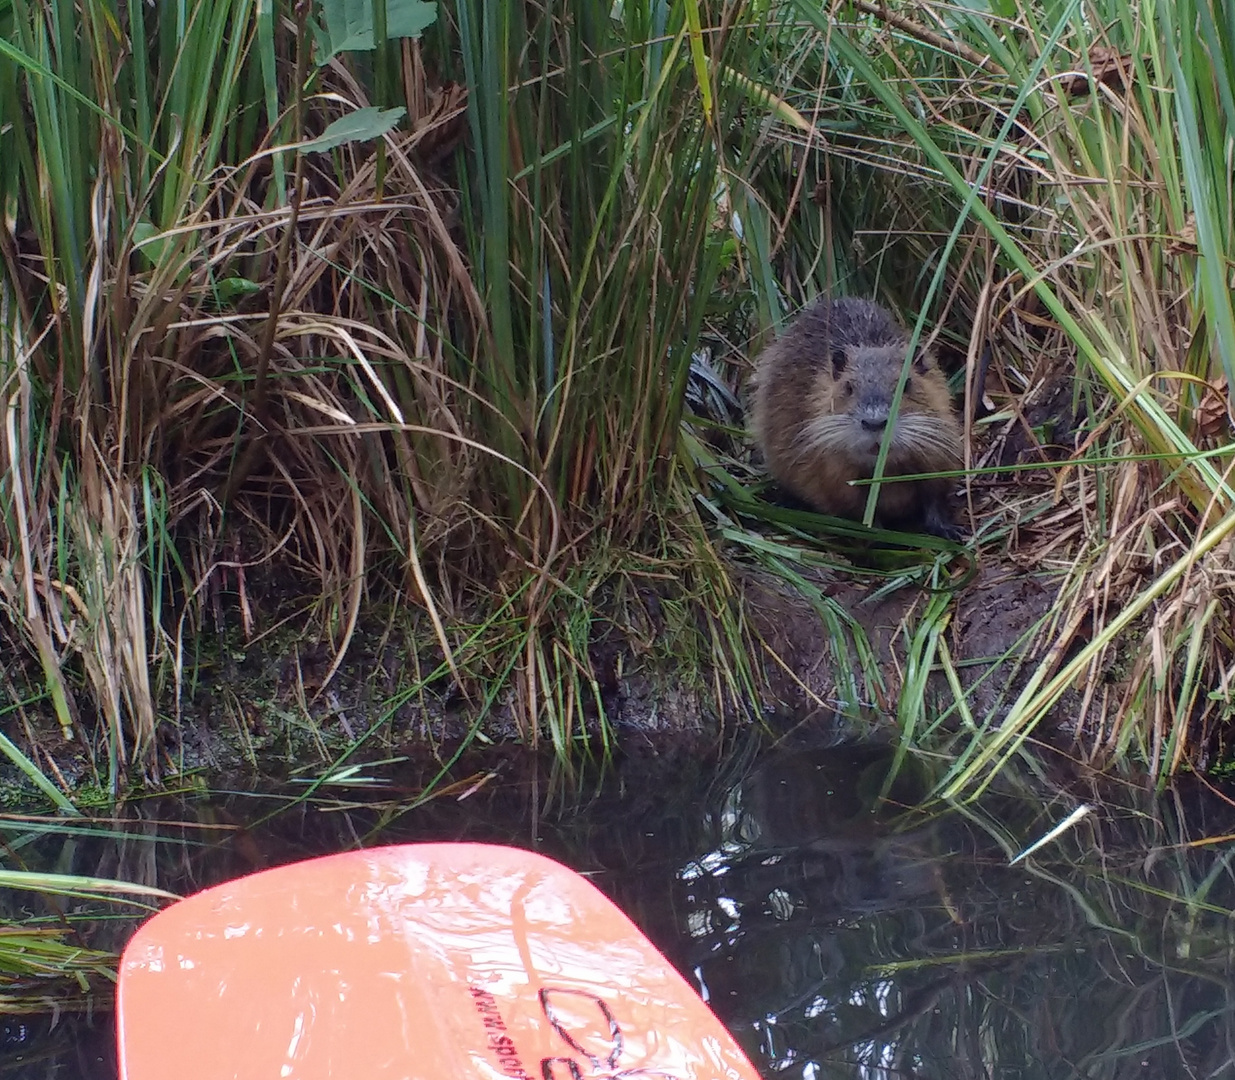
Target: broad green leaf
<point x="232" y="288"/>
<point x="367" y="123"/>
<point x="348" y="24"/>
<point x="148" y="242"/>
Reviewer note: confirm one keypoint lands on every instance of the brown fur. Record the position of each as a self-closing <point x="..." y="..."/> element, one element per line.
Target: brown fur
<point x="821" y="401"/>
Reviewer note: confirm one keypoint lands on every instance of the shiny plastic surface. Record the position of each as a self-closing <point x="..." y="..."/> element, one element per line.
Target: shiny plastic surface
<point x="424" y="961"/>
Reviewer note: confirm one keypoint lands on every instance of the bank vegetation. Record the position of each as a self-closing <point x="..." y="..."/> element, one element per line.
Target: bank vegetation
<point x="312" y="311"/>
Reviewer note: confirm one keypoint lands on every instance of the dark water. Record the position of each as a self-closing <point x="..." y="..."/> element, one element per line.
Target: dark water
<point x="835" y="931"/>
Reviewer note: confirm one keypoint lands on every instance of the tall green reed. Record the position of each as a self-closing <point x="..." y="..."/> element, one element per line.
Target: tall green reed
<point x="447" y="356"/>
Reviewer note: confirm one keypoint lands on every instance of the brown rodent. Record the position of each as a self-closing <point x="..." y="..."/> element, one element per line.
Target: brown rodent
<point x="822" y="398"/>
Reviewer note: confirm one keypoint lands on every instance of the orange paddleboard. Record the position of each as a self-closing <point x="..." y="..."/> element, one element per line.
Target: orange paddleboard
<point x="419" y="962"/>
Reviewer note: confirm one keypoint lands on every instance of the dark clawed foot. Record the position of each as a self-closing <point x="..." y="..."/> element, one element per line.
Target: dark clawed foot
<point x="938" y="524"/>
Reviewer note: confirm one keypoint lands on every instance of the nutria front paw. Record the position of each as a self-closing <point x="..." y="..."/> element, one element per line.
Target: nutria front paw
<point x="937" y="523"/>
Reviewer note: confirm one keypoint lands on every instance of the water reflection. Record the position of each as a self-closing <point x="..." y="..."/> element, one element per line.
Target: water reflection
<point x="837" y="943"/>
<point x="837" y="933"/>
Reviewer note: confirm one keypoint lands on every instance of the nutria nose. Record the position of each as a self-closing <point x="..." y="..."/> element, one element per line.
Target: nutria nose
<point x="874" y="425"/>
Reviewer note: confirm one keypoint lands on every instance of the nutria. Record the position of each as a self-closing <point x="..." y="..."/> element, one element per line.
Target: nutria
<point x="822" y="397"/>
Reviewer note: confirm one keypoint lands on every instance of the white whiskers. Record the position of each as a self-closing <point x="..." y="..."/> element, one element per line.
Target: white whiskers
<point x="918" y="439"/>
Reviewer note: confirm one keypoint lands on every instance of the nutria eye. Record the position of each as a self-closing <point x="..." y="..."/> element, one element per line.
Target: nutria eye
<point x="839" y="359"/>
<point x="908" y="384"/>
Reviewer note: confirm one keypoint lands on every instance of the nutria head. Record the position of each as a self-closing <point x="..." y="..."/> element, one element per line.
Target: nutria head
<point x="852" y="402"/>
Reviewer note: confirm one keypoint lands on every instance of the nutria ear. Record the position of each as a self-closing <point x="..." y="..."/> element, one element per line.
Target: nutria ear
<point x="923" y="361"/>
<point x="839" y="359"/>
